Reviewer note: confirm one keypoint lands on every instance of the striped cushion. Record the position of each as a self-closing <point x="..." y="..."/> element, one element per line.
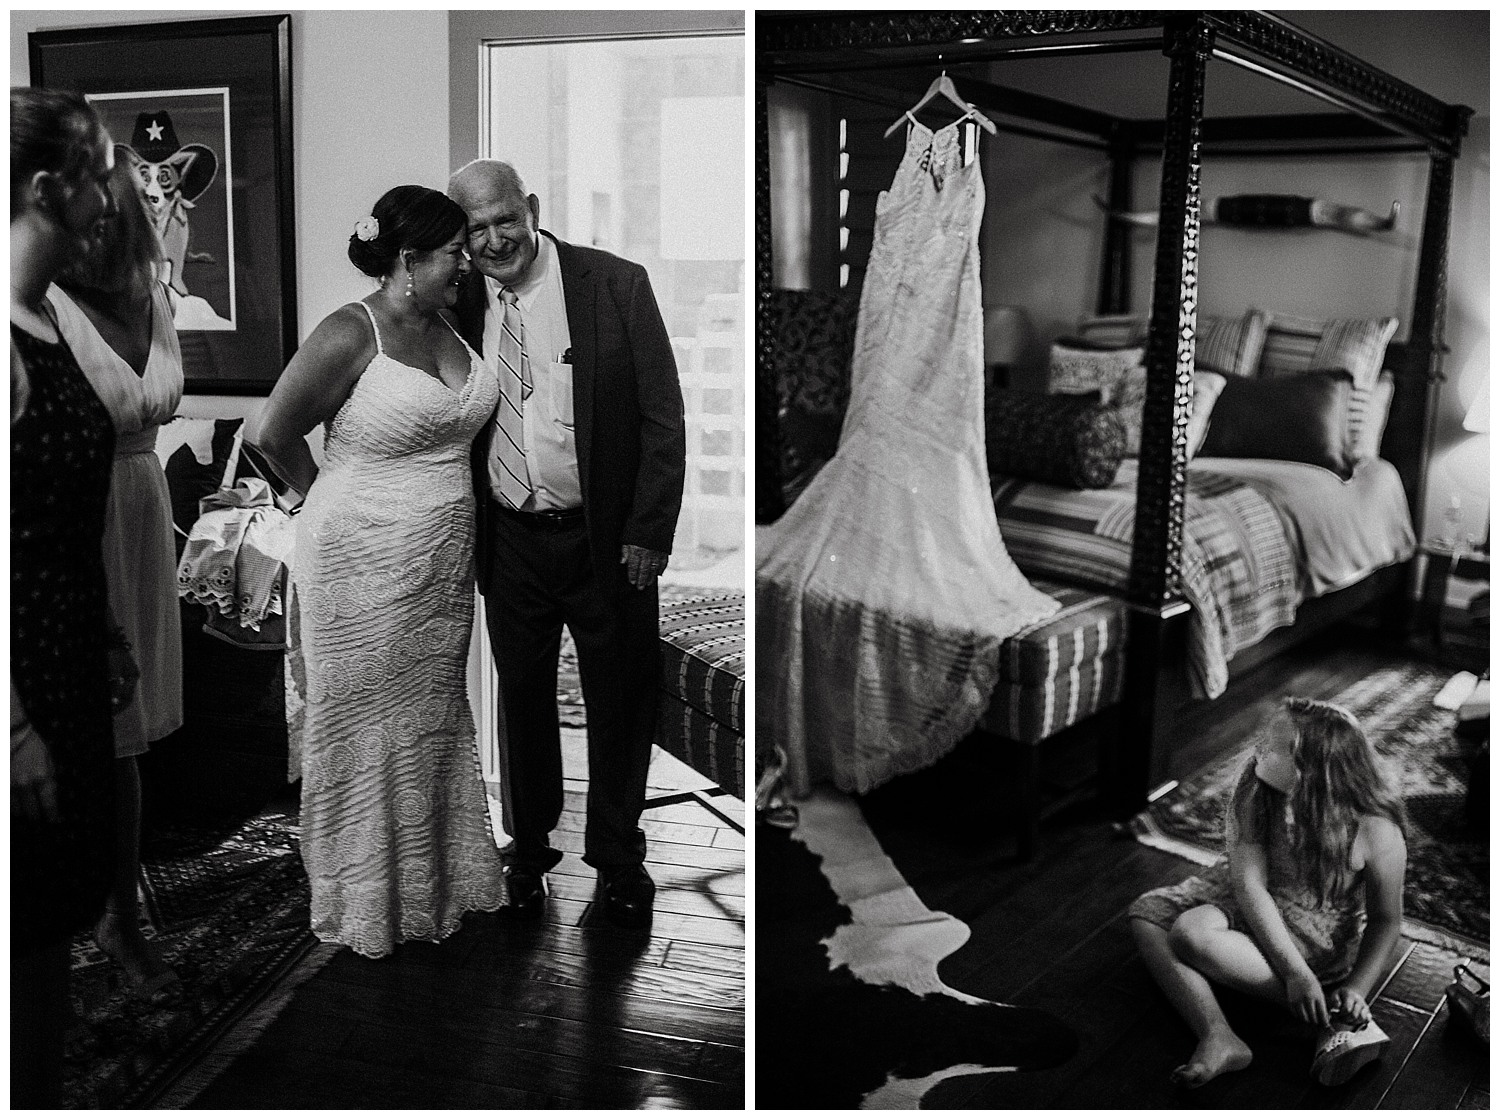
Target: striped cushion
<point x="701" y="713"/>
<point x="1112" y="331"/>
<point x="714" y="749"/>
<point x="1067" y="667"/>
<point x="1231" y="345"/>
<point x="1295" y="344"/>
<point x="703" y="656"/>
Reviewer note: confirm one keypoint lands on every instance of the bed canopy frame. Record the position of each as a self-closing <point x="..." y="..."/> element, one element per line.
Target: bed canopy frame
<point x="1372" y="112"/>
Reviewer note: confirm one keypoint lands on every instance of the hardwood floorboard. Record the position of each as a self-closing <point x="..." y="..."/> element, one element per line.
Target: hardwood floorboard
<point x="668" y="876"/>
<point x="564" y="1011"/>
<point x="1440" y="1070"/>
<point x="669" y="900"/>
<point x="1476" y="1098"/>
<point x="271" y="1077"/>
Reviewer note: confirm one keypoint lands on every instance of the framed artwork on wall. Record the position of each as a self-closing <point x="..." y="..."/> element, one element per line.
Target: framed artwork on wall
<point x="203" y="110"/>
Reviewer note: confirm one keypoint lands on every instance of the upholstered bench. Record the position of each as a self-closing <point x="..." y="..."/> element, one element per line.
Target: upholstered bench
<point x="701" y="718"/>
<point x="1054" y="676"/>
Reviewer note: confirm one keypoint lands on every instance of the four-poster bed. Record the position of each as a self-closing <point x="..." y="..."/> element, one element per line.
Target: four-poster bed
<point x="894" y="56"/>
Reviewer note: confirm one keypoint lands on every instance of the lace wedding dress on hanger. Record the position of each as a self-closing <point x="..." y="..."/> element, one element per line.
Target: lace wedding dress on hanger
<point x="883" y="594"/>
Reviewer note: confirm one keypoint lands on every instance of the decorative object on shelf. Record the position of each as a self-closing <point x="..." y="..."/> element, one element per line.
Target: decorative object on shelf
<point x="207" y="105"/>
<point x="1274" y="211"/>
<point x="1006" y="333"/>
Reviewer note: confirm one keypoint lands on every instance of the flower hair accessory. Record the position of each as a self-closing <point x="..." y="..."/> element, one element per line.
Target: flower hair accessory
<point x="367" y="228"/>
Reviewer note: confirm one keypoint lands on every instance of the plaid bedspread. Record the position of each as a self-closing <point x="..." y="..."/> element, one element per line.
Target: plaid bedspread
<point x="1238" y="570"/>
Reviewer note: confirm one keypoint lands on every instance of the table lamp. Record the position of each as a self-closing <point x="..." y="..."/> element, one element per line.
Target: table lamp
<point x="1006" y="332"/>
<point x="1477" y="419"/>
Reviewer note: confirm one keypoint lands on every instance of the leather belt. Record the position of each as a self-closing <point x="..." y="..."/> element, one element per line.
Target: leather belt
<point x="553" y="518"/>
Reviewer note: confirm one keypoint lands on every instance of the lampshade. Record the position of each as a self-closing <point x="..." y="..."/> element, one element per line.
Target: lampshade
<point x="1006" y="332"/>
<point x="1477" y="419"/>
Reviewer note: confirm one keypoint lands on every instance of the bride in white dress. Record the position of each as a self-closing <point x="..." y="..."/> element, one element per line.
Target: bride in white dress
<point x="395" y="832"/>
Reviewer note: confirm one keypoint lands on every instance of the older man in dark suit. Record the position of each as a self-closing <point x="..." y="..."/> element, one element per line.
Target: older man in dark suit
<point x="578" y="483"/>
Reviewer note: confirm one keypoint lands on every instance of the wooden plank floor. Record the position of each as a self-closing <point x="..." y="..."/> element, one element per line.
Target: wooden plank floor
<point x="1053" y="935"/>
<point x="565" y="1012"/>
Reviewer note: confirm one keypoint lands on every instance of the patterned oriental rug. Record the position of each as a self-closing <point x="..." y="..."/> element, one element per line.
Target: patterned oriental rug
<point x="230" y="914"/>
<point x="1447" y="897"/>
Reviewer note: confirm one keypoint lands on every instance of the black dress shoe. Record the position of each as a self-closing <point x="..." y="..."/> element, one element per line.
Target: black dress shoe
<point x="626" y="895"/>
<point x="524" y="890"/>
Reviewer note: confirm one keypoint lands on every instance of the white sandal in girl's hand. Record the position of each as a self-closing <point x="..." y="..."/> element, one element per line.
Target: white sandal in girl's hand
<point x="1344" y="1051"/>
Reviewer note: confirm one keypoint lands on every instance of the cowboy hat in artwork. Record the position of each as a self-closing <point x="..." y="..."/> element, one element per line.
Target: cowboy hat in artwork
<point x="174" y="176"/>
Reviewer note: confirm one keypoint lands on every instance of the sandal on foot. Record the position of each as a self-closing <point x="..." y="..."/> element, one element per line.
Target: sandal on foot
<point x="1344" y="1051"/>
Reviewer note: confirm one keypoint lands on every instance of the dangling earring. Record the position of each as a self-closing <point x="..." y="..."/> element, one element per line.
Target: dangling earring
<point x="410" y="291"/>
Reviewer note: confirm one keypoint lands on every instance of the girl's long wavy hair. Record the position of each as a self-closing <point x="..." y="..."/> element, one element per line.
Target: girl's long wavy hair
<point x="1339" y="780"/>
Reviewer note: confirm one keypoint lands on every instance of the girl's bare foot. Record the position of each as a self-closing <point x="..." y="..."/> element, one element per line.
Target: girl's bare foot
<point x="1215" y="1055"/>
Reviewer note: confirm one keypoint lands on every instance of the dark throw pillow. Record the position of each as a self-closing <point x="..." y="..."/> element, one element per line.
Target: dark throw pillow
<point x="1301" y="417"/>
<point x="814" y="346"/>
<point x="1060" y="438"/>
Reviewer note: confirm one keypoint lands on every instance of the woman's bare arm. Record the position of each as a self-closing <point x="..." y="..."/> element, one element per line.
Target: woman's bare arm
<point x="311" y="390"/>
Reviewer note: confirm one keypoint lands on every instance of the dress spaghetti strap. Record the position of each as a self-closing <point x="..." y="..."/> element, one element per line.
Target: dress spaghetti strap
<point x="379" y="347"/>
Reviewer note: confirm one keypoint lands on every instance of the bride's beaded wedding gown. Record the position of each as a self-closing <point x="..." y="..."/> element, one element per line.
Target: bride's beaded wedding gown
<point x="883" y="594"/>
<point x="395" y="831"/>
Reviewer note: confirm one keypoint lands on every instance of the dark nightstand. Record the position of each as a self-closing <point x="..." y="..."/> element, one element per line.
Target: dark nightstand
<point x="1444" y="562"/>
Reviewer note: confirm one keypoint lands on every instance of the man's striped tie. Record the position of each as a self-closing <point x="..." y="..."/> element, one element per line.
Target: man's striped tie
<point x="508" y="444"/>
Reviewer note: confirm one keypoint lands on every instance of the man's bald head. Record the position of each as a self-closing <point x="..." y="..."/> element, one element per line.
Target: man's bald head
<point x="491" y="175"/>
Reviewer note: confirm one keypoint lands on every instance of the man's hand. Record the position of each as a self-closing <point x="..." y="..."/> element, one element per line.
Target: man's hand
<point x="642" y="565"/>
<point x="33" y="787"/>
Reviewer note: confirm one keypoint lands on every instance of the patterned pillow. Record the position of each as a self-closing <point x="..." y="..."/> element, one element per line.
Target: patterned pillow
<point x="1370" y="429"/>
<point x="1295" y="344"/>
<point x="1231" y="345"/>
<point x="1067" y="440"/>
<point x="1131" y="396"/>
<point x="1207" y="386"/>
<point x="814" y="333"/>
<point x="1073" y="368"/>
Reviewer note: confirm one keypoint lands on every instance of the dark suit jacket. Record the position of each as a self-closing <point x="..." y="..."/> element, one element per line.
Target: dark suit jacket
<point x="627" y="407"/>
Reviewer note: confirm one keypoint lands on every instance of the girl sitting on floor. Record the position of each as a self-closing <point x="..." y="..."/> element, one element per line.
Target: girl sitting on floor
<point x="1307" y="899"/>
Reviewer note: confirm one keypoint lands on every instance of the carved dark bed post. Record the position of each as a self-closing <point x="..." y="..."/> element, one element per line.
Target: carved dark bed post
<point x="1114" y="280"/>
<point x="768" y="503"/>
<point x="1156" y="551"/>
<point x="1413" y="409"/>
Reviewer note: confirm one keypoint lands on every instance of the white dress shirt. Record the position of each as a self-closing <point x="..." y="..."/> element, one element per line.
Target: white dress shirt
<point x="547" y="415"/>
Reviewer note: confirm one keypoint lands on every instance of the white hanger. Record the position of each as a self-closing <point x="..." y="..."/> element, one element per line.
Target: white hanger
<point x="943" y="85"/>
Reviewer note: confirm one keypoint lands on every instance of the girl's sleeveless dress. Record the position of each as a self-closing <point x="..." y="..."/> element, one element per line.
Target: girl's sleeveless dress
<point x="395" y="829"/>
<point x="139" y="557"/>
<point x="1327" y="935"/>
<point x="883" y="594"/>
<point x="61" y="449"/>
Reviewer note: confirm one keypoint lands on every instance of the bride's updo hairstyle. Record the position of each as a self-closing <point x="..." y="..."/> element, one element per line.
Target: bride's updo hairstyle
<point x="407" y="217"/>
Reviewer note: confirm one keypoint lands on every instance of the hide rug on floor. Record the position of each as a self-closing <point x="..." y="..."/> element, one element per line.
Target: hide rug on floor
<point x="228" y="908"/>
<point x="851" y="1012"/>
<point x="1447" y="897"/>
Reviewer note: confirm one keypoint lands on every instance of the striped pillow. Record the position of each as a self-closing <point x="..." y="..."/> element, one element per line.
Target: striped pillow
<point x="1112" y="331"/>
<point x="1223" y="345"/>
<point x="1231" y="346"/>
<point x="1295" y="344"/>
